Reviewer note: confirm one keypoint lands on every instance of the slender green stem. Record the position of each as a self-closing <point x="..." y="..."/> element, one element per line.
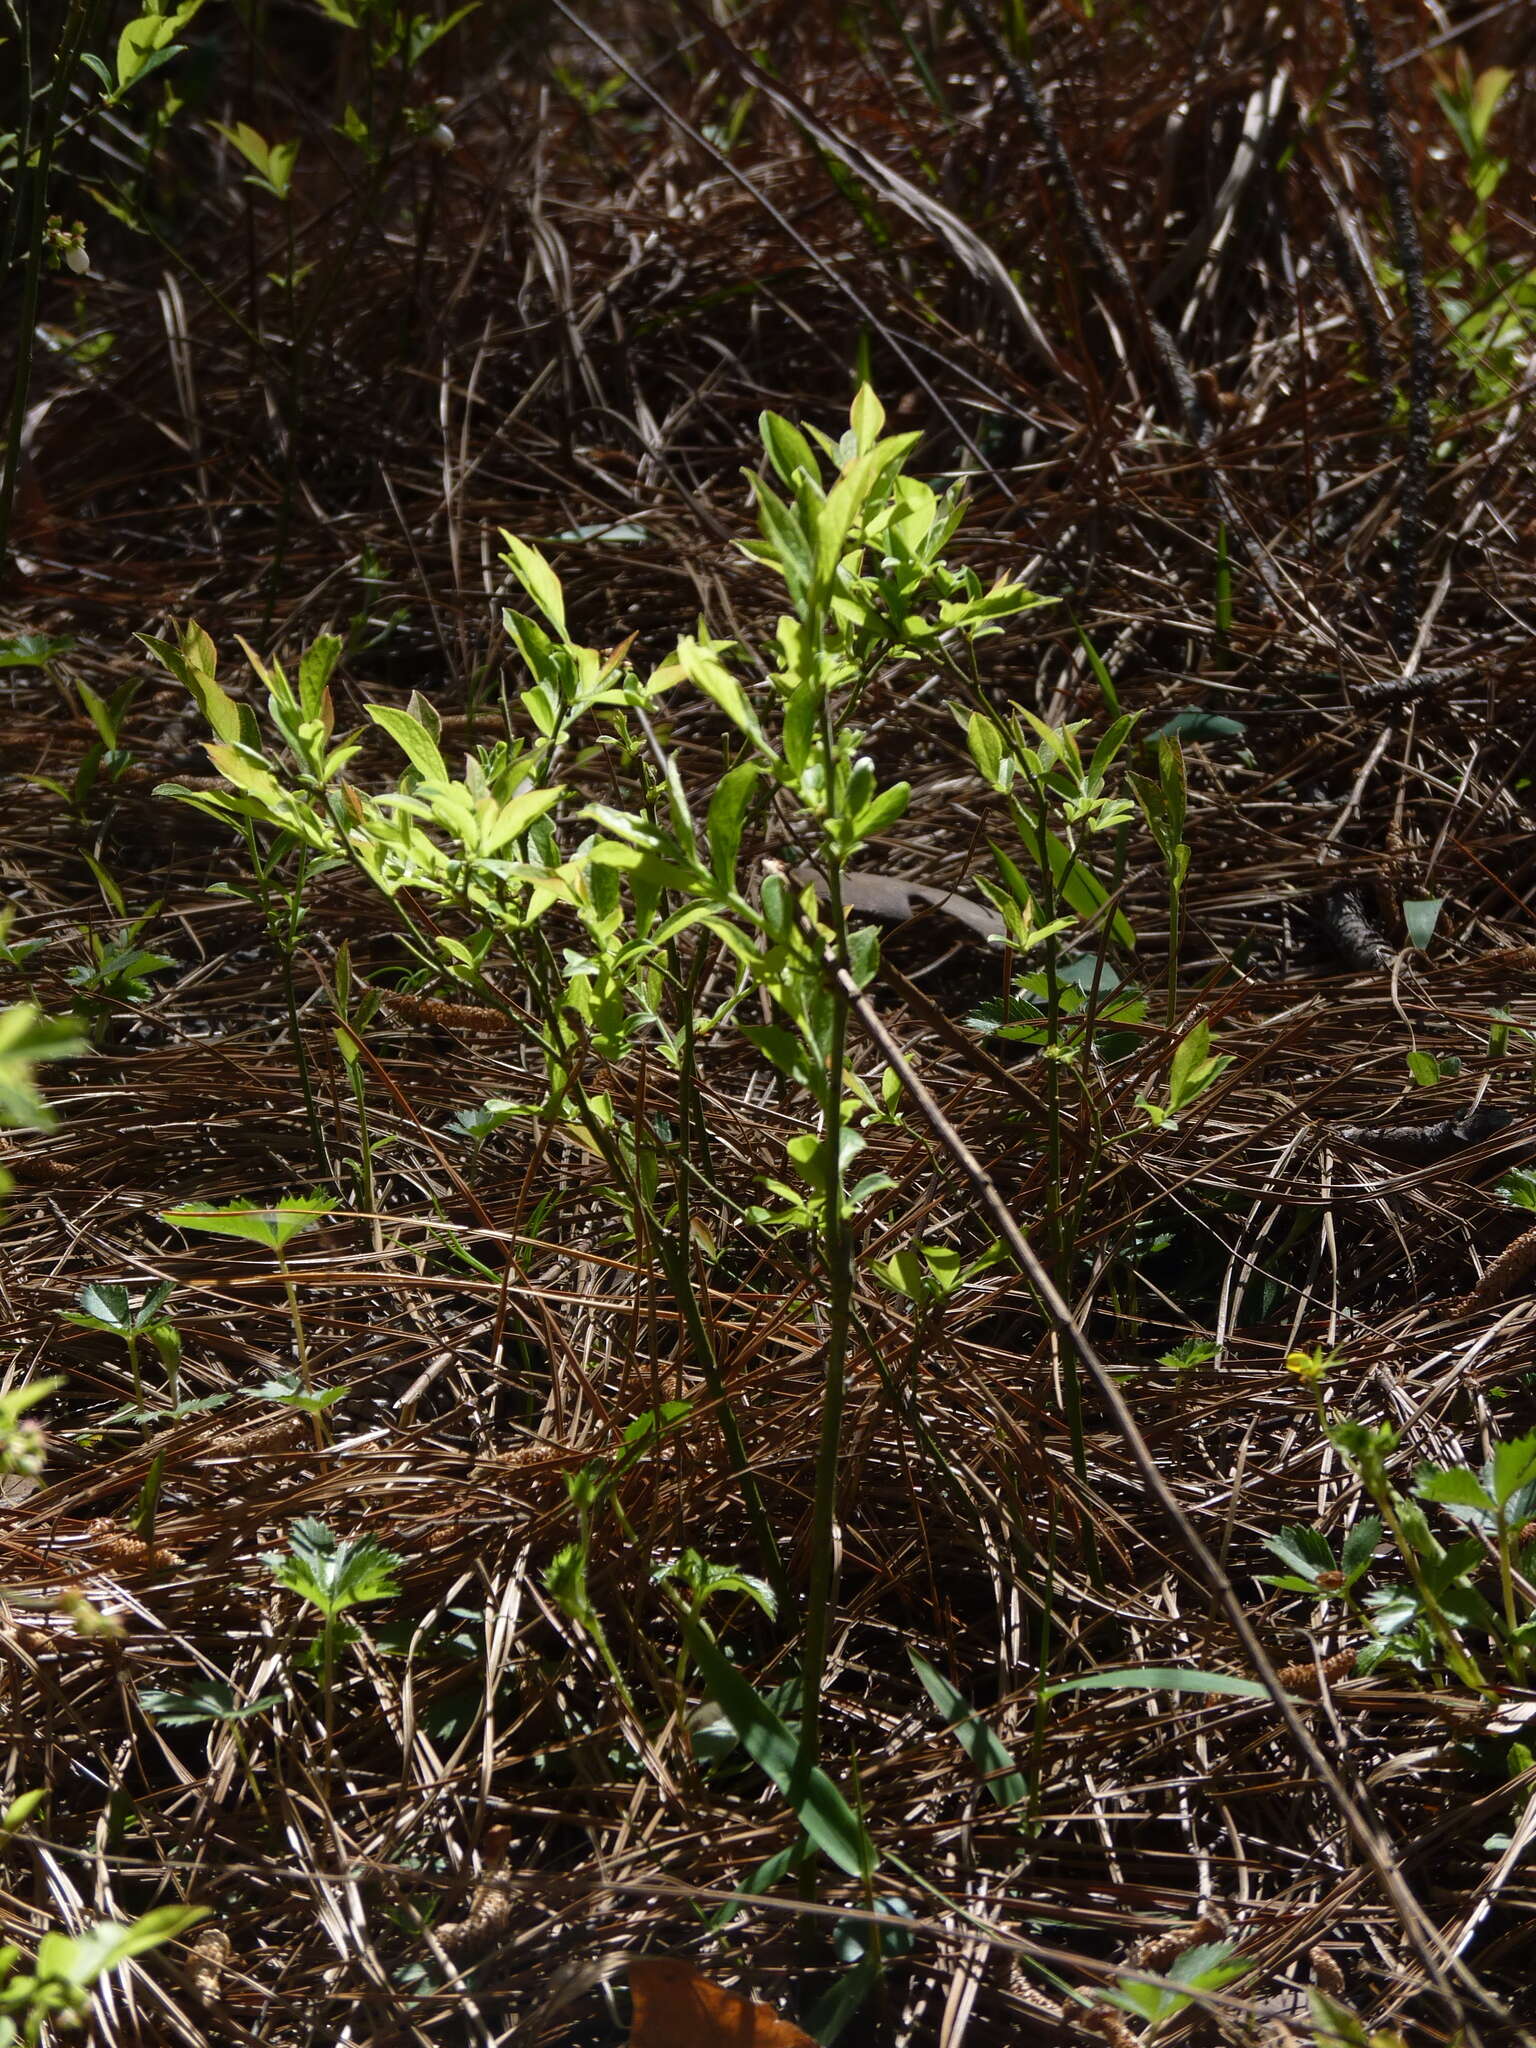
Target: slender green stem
<point x="561" y="1048"/>
<point x="1445" y="1634"/>
<point x="318" y="1422"/>
<point x="838" y="1252"/>
<point x="1512" y="1649"/>
<point x="1175" y="912"/>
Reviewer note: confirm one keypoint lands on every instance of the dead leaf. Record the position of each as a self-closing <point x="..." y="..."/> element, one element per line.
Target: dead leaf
<point x="896" y="899"/>
<point x="676" y="2007"/>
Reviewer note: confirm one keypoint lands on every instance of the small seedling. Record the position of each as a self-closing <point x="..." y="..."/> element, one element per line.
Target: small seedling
<point x="107" y="1306"/>
<point x="1209" y="1967"/>
<point x="275" y="1228"/>
<point x="288" y="1391"/>
<point x="1186" y="1356"/>
<point x="1427" y="1068"/>
<point x="56" y="1992"/>
<point x="1193" y="1070"/>
<point x="1313" y="1568"/>
<point x="333" y="1574"/>
<point x="931" y="1274"/>
<point x="118" y="970"/>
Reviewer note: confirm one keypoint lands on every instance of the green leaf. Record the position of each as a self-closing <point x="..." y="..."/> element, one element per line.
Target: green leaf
<point x="704" y="668"/>
<point x="1453" y="1486"/>
<point x="863" y="954"/>
<point x="272" y="1227"/>
<point x="1513" y="1465"/>
<point x="208" y="1700"/>
<point x="784" y="543"/>
<point x="726" y="818"/>
<point x="317" y="665"/>
<point x="1333" y="2024"/>
<point x="763" y="1879"/>
<point x="538" y="579"/>
<point x="866" y="416"/>
<point x="836" y="518"/>
<point x="985" y="739"/>
<point x="883" y="810"/>
<point x="822" y="1810"/>
<point x="517" y="814"/>
<point x="1424" y="1068"/>
<point x="33" y="650"/>
<point x="1420" y="918"/>
<point x="1081" y="889"/>
<point x="193" y="662"/>
<point x="1108" y="747"/>
<point x="1488" y="89"/>
<point x="290" y="1392"/>
<point x="413" y="740"/>
<point x="27" y="1037"/>
<point x="332" y="1574"/>
<point x="1306" y="1551"/>
<point x="1360" y="1546"/>
<point x="1101" y="674"/>
<point x="79" y="1960"/>
<point x="1194" y="1067"/>
<point x="1161" y="1678"/>
<point x="1195" y="724"/>
<point x="19" y="1812"/>
<point x="787" y="449"/>
<point x="250" y="773"/>
<point x="1004" y="1781"/>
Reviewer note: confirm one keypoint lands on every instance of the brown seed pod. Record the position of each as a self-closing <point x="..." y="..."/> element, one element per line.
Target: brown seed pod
<point x="1509" y="1270"/>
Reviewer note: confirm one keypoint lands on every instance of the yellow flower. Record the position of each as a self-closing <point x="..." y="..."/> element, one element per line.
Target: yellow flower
<point x="1311" y="1367"/>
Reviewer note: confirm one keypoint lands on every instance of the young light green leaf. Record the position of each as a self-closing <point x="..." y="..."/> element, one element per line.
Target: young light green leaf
<point x="413" y="740"/>
<point x="704" y="668"/>
<point x="882" y="810"/>
<point x="1512" y="1467"/>
<point x="1194" y="1067"/>
<point x="27" y="1037"/>
<point x="787" y="449"/>
<point x="21" y="1810"/>
<point x="985" y="739"/>
<point x="866" y="417"/>
<point x="538" y="579"/>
